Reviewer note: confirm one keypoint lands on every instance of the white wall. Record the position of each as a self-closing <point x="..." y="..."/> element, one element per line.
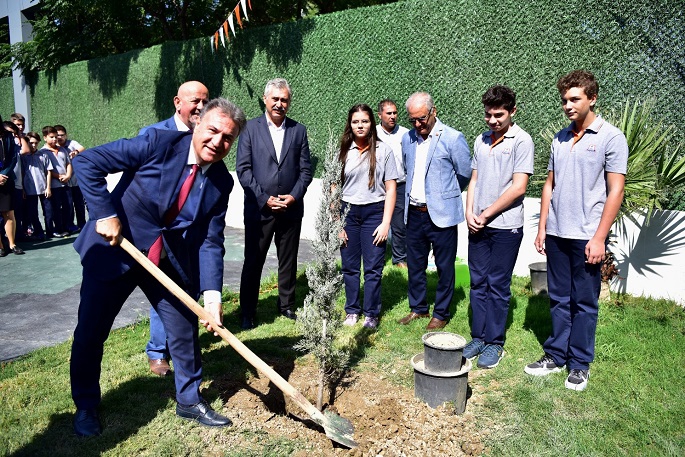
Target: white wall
<point x="651" y="259"/>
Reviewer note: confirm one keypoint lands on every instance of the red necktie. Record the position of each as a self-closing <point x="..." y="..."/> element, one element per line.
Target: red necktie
<point x="155" y="252"/>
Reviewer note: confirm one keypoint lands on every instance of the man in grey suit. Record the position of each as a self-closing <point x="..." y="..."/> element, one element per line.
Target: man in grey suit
<point x="274" y="168"/>
<point x="188" y="102"/>
<point x="438" y="164"/>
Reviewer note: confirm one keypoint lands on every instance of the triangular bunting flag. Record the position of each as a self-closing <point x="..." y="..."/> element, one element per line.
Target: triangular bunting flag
<point x="237" y="15"/>
<point x="211" y="43"/>
<point x="221" y="35"/>
<point x="230" y="23"/>
<point x="242" y="2"/>
<point x="216" y="40"/>
<point x="225" y="26"/>
<point x="249" y="3"/>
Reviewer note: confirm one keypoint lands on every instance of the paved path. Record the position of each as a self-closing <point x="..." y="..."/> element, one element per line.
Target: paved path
<point x="39" y="292"/>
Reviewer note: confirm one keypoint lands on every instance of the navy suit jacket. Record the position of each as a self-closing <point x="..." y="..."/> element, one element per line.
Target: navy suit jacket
<point x="448" y="171"/>
<point x="262" y="176"/>
<point x="153" y="165"/>
<point x="168" y="124"/>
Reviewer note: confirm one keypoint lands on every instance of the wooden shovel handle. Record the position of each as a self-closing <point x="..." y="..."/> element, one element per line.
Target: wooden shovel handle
<point x="231" y="339"/>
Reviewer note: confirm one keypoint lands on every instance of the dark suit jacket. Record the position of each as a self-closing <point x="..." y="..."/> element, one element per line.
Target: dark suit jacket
<point x="168" y="124"/>
<point x="152" y="166"/>
<point x="262" y="176"/>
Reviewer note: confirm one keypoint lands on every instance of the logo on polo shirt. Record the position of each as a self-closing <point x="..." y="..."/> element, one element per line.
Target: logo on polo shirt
<point x="592" y="148"/>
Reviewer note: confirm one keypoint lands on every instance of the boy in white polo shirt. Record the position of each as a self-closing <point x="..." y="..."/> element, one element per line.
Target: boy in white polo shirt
<point x="580" y="200"/>
<point x="502" y="163"/>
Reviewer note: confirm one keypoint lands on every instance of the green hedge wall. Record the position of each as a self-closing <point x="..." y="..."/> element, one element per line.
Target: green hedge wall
<point x="6" y="98"/>
<point x="454" y="49"/>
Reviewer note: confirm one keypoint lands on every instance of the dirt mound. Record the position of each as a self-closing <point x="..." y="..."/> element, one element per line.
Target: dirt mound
<point x="388" y="420"/>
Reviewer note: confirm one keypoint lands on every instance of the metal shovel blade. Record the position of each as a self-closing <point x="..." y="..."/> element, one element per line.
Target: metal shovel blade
<point x="339" y="429"/>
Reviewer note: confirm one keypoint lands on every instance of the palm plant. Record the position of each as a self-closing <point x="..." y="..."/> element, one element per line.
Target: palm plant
<point x="654" y="162"/>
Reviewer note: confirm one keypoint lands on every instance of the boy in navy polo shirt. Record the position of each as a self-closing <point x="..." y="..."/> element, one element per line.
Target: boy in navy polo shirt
<point x="580" y="200"/>
<point x="502" y="163"/>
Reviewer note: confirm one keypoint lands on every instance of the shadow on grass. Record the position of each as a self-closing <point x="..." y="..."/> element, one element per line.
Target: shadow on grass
<point x="123" y="411"/>
<point x="230" y="372"/>
<point x="538" y="319"/>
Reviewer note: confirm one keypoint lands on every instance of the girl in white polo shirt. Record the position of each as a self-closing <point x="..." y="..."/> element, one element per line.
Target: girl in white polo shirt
<point x="368" y="192"/>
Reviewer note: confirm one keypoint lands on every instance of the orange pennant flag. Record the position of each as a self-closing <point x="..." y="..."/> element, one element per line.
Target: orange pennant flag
<point x="237" y="15"/>
<point x="249" y="3"/>
<point x="226" y="30"/>
<point x="216" y="39"/>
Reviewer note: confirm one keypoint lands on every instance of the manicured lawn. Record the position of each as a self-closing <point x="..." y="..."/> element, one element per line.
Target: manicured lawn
<point x="634" y="404"/>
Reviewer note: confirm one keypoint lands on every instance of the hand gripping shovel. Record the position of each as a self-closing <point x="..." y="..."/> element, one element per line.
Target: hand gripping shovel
<point x="337" y="428"/>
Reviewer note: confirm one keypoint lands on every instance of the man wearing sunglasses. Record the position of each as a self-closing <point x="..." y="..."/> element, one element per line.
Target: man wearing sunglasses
<point x="438" y="164"/>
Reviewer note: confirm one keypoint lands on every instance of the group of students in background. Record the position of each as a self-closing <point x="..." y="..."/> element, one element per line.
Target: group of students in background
<point x="30" y="176"/>
<point x="580" y="200"/>
<point x="383" y="187"/>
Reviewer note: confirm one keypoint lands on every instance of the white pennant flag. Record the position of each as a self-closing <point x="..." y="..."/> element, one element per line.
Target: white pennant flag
<point x="221" y="35"/>
<point x="230" y="23"/>
<point x="211" y="43"/>
<point x="242" y="2"/>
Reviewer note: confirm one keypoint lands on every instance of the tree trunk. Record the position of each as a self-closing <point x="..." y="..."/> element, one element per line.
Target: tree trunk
<point x="319" y="394"/>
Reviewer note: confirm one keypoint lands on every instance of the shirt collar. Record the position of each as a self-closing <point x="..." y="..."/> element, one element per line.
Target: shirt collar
<point x="594" y="127"/>
<point x="272" y="125"/>
<point x="192" y="159"/>
<point x="385" y="132"/>
<point x="511" y="133"/>
<point x="180" y="126"/>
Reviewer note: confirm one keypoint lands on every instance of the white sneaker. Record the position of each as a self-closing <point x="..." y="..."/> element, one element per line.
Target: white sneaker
<point x="543" y="367"/>
<point x="577" y="380"/>
<point x="351" y="319"/>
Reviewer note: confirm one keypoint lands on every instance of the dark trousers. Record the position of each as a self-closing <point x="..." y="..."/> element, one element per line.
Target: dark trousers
<point x="421" y="234"/>
<point x="77" y="207"/>
<point x="19" y="213"/>
<point x="258" y="235"/>
<point x="48" y="214"/>
<point x="492" y="255"/>
<point x="398" y="229"/>
<point x="573" y="287"/>
<point x="360" y="223"/>
<point x="101" y="301"/>
<point x="31" y="215"/>
<point x="59" y="208"/>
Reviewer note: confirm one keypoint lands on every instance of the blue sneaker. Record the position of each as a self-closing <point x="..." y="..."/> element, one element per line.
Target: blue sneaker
<point x="490" y="356"/>
<point x="473" y="349"/>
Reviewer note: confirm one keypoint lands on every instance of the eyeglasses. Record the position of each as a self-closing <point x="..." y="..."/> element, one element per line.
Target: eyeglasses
<point x="422" y="119"/>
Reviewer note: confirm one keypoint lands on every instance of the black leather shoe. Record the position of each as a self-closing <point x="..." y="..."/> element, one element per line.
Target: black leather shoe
<point x="87" y="423"/>
<point x="289" y="314"/>
<point x="246" y="323"/>
<point x="204" y="414"/>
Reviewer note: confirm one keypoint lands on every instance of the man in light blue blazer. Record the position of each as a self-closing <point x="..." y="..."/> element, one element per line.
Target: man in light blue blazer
<point x="188" y="102"/>
<point x="438" y="164"/>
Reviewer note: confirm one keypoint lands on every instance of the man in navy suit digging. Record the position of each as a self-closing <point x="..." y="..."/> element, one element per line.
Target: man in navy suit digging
<point x="158" y="168"/>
